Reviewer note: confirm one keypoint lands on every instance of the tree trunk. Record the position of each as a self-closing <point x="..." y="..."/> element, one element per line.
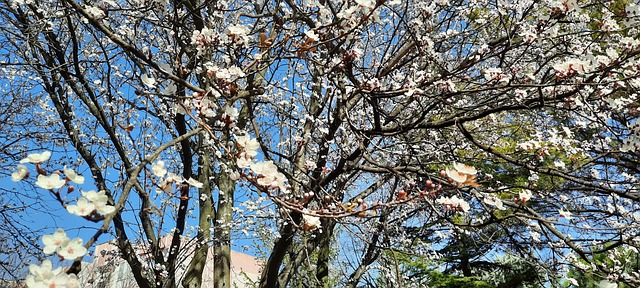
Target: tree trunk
<point x="193" y="276"/>
<point x="222" y="234"/>
<point x="324" y="252"/>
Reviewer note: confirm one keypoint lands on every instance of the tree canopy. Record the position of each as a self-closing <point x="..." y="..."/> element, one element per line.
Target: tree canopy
<point x="340" y="135"/>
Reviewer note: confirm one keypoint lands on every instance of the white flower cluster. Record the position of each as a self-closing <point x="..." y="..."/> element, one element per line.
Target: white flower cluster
<point x="268" y="175"/>
<point x="22" y="173"/>
<point x="238" y="34"/>
<point x="310" y="222"/>
<point x="73" y="176"/>
<point x="207" y="38"/>
<point x="94" y="12"/>
<point x="248" y="149"/>
<point x="454" y="203"/>
<point x="53" y="181"/>
<point x="230" y="114"/>
<point x="203" y="39"/>
<point x="36" y="158"/>
<point x="562" y="6"/>
<point x="44" y="276"/>
<point x="496" y="74"/>
<point x="524" y="195"/>
<point x="494" y="201"/>
<point x="91" y="201"/>
<point x="461" y="173"/>
<point x="66" y="248"/>
<point x="266" y="171"/>
<point x="572" y="66"/>
<point x="224" y="74"/>
<point x="203" y="106"/>
<point x="565" y="214"/>
<point x="160" y="171"/>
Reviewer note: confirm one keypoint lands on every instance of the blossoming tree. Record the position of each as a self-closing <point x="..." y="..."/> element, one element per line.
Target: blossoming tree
<point x="358" y="126"/>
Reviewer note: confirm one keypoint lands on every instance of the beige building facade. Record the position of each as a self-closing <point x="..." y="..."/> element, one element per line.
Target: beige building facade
<point x="108" y="270"/>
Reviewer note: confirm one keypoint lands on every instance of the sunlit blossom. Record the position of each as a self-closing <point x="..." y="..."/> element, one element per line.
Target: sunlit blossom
<point x="95" y="12"/>
<point x="158" y="169"/>
<point x="571" y="67"/>
<point x="100" y="201"/>
<point x="493" y="73"/>
<point x="58" y="242"/>
<point x="454" y="203"/>
<point x="494" y="201"/>
<point x="367" y="4"/>
<point x="148" y="81"/>
<point x="82" y="208"/>
<point x="44" y="276"/>
<point x="606" y="284"/>
<point x="94" y="196"/>
<point x="249" y="144"/>
<point x="465" y="169"/>
<point x="22" y="173"/>
<point x="524" y="195"/>
<point x="312" y="35"/>
<point x="194" y="183"/>
<point x="73" y="176"/>
<point x="310" y="222"/>
<point x="243" y="162"/>
<point x="44" y="270"/>
<point x="54" y="241"/>
<point x="456" y="175"/>
<point x="565" y="214"/>
<point x="237" y="30"/>
<point x="230" y="112"/>
<point x="104" y="209"/>
<point x="239" y="34"/>
<point x="52" y="181"/>
<point x="72" y="250"/>
<point x="269" y="176"/>
<point x="37" y="158"/>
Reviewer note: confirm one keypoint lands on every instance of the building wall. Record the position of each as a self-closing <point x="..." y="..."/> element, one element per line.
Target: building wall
<point x="108" y="270"/>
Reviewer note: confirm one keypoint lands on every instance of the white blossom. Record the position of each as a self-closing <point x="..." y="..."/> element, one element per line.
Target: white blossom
<point x="606" y="284"/>
<point x="524" y="195"/>
<point x="194" y="183"/>
<point x="454" y="203"/>
<point x="312" y="35"/>
<point x="100" y="201"/>
<point x="465" y="169"/>
<point x="52" y="181"/>
<point x="456" y="175"/>
<point x="72" y="250"/>
<point x="158" y="169"/>
<point x="73" y="176"/>
<point x="82" y="208"/>
<point x="250" y="145"/>
<point x="148" y="81"/>
<point x="20" y="174"/>
<point x="44" y="276"/>
<point x="230" y="112"/>
<point x="310" y="222"/>
<point x="94" y="12"/>
<point x="565" y="214"/>
<point x="494" y="201"/>
<point x="36" y="158"/>
<point x="54" y="241"/>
